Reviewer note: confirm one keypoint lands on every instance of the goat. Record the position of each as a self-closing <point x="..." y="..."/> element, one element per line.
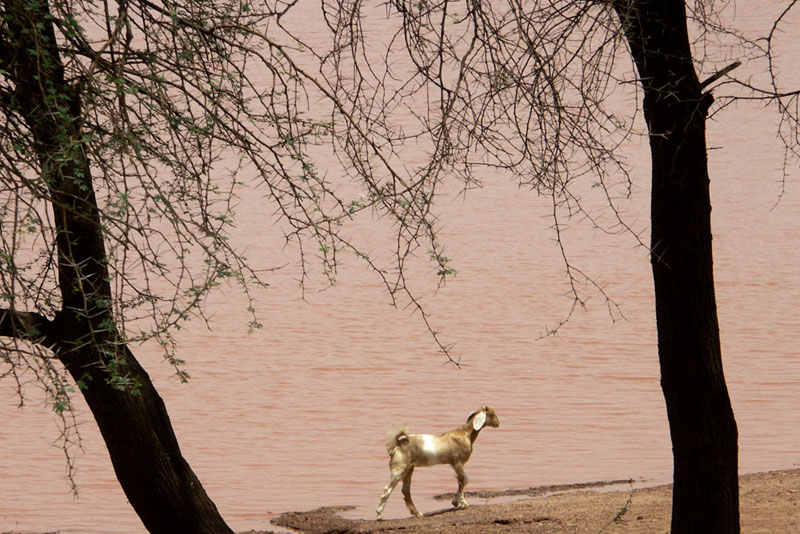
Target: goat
<point x="407" y="451"/>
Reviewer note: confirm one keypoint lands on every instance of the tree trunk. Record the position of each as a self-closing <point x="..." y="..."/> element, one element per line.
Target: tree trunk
<point x="702" y="424"/>
<point x="157" y="480"/>
<point x="132" y="418"/>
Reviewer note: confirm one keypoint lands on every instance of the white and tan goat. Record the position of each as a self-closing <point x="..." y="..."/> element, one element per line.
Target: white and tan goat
<point x="407" y="451"/>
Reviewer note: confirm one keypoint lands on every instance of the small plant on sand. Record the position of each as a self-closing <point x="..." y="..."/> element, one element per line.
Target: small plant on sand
<point x="620" y="513"/>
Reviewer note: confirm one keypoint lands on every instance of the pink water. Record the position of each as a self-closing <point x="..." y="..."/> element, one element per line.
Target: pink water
<point x="293" y="416"/>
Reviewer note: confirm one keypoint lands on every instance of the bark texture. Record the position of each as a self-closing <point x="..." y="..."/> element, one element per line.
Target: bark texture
<point x="702" y="424"/>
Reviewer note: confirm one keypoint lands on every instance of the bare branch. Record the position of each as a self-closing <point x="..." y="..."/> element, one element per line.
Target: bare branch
<point x="719" y="74"/>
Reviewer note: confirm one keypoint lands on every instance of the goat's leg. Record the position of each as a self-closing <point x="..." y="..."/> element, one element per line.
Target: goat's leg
<point x="407" y="493"/>
<point x="397" y="475"/>
<point x="459" y="501"/>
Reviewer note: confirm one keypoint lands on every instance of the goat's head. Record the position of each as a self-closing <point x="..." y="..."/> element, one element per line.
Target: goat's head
<point x="483" y="417"/>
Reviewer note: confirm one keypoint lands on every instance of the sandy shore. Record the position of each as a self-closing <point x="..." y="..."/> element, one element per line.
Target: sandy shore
<point x="769" y="504"/>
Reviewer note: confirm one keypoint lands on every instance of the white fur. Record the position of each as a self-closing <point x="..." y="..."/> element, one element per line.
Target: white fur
<point x="429" y="447"/>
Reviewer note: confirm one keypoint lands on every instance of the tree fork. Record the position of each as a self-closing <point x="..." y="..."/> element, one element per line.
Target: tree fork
<point x="132" y="417"/>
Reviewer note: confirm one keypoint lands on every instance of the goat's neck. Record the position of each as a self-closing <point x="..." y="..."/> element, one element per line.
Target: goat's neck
<point x="470" y="431"/>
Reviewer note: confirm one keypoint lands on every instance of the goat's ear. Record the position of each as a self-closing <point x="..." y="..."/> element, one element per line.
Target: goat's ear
<point x="479" y="420"/>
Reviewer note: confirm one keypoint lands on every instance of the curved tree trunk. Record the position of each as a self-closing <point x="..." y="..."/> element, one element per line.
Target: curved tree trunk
<point x="132" y="418"/>
<point x="157" y="480"/>
<point x="702" y="424"/>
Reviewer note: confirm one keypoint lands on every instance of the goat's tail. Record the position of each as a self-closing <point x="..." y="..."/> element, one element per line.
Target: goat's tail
<point x="395" y="438"/>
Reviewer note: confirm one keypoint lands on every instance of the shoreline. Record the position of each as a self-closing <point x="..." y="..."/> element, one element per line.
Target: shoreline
<point x="768" y="504"/>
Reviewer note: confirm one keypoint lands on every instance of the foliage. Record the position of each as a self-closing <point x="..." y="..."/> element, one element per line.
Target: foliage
<point x="181" y="109"/>
<point x="160" y="117"/>
<point x="545" y="92"/>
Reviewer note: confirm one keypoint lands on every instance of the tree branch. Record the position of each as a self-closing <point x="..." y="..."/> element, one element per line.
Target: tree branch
<point x="28" y="326"/>
<point x="719" y="74"/>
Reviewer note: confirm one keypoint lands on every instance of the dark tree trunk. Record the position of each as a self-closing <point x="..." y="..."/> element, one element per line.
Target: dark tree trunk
<point x="132" y="418"/>
<point x="157" y="480"/>
<point x="702" y="425"/>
